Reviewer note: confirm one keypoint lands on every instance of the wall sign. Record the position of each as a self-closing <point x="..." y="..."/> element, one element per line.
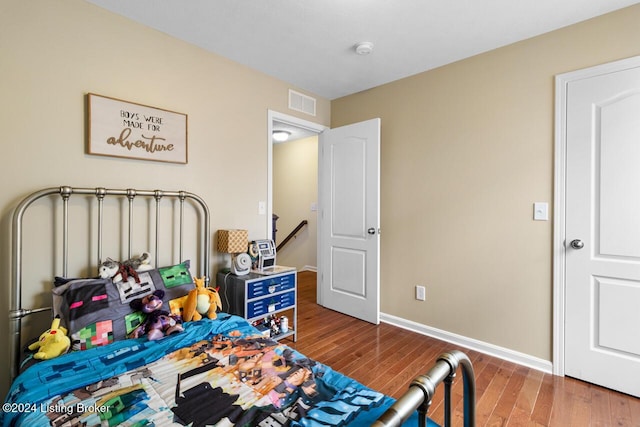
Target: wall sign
<point x="125" y="129"/>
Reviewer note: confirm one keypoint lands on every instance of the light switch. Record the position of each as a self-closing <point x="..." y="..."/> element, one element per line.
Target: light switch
<point x="541" y="211"/>
<point x="262" y="208"/>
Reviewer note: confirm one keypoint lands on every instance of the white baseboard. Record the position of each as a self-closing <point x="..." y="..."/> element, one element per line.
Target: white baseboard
<point x="309" y="268"/>
<point x="470" y="343"/>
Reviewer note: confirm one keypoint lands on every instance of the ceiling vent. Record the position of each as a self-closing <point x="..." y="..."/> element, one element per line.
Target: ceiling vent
<point x="302" y="103"/>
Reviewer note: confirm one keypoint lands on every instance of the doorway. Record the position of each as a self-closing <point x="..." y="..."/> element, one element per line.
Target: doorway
<point x="299" y="129"/>
<point x="348" y="244"/>
<point x="295" y="196"/>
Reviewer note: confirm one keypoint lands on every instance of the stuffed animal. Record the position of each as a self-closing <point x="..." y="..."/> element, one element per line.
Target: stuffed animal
<point x="121" y="271"/>
<point x="200" y="302"/>
<point x="52" y="343"/>
<point x="141" y="263"/>
<point x="108" y="268"/>
<point x="158" y="323"/>
<point x="149" y="303"/>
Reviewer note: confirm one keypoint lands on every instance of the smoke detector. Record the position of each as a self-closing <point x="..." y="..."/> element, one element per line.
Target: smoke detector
<point x="364" y="48"/>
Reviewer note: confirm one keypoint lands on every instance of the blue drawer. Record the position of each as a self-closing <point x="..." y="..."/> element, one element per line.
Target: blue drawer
<point x="270" y="285"/>
<point x="268" y="305"/>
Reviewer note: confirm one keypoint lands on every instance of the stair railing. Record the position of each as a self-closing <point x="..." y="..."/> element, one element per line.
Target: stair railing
<point x="292" y="234"/>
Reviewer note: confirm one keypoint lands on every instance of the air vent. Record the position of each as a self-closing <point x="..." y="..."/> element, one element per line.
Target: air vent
<point x="302" y="103"/>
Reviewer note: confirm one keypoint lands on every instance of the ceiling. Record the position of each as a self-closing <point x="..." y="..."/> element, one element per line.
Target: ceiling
<point x="311" y="44"/>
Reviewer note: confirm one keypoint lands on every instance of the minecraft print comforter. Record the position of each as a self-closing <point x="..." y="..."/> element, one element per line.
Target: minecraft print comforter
<point x="216" y="372"/>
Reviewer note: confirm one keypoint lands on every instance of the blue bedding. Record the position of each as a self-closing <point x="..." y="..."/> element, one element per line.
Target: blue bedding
<point x="215" y="372"/>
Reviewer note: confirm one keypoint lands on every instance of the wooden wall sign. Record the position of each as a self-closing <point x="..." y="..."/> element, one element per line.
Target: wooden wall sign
<point x="124" y="129"/>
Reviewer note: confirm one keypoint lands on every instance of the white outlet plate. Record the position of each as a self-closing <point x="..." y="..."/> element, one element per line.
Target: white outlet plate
<point x="420" y="293"/>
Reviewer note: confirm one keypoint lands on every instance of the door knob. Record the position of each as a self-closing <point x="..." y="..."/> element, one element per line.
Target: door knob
<point x="371" y="230"/>
<point x="577" y="244"/>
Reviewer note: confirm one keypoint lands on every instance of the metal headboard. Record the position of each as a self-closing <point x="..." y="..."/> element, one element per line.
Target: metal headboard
<point x="16" y="312"/>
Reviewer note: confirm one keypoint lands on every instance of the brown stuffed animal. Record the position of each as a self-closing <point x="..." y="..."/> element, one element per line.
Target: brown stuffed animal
<point x="201" y="301"/>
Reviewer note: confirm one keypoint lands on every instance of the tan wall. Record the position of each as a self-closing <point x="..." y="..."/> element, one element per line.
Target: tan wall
<point x="466" y="151"/>
<point x="295" y="189"/>
<point x="54" y="52"/>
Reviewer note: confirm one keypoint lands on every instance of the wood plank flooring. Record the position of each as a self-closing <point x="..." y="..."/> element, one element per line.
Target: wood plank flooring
<point x="387" y="358"/>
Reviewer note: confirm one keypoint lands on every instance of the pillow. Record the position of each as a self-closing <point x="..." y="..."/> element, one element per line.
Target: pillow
<point x="96" y="312"/>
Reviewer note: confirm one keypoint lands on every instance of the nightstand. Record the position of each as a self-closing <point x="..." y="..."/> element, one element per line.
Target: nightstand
<point x="256" y="296"/>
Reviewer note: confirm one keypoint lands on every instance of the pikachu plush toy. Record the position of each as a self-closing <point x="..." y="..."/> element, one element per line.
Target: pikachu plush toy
<point x="52" y="343"/>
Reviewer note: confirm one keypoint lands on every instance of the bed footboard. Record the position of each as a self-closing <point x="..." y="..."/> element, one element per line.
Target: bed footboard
<point x="422" y="389"/>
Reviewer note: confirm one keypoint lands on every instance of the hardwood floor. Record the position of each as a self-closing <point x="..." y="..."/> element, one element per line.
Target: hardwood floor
<point x="387" y="358"/>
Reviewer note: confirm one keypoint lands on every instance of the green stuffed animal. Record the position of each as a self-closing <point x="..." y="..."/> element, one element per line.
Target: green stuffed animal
<point x="52" y="343"/>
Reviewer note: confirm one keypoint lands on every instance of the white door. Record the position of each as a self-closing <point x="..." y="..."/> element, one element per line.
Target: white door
<point x="602" y="255"/>
<point x="349" y="244"/>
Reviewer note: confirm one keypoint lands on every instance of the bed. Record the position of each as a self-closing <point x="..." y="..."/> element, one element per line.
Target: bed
<point x="220" y="371"/>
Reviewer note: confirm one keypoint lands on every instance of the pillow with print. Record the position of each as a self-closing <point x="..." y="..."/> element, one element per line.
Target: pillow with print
<point x="96" y="312"/>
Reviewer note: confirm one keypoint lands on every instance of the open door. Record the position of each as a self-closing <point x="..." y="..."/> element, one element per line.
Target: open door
<point x="349" y="220"/>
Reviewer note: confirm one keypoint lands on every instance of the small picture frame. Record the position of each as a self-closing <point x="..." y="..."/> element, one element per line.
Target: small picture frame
<point x="119" y="128"/>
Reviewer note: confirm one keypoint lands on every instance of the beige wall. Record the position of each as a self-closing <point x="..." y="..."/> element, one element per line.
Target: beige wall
<point x="55" y="51"/>
<point x="295" y="189"/>
<point x="466" y="151"/>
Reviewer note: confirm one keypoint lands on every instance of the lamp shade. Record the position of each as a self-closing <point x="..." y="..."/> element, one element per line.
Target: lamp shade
<point x="233" y="241"/>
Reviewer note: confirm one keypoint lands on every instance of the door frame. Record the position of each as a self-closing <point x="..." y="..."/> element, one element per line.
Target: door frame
<point x="316" y="128"/>
<point x="559" y="199"/>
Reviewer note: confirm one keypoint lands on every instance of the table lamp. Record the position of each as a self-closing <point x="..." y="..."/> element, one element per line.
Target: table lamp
<point x="235" y="242"/>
